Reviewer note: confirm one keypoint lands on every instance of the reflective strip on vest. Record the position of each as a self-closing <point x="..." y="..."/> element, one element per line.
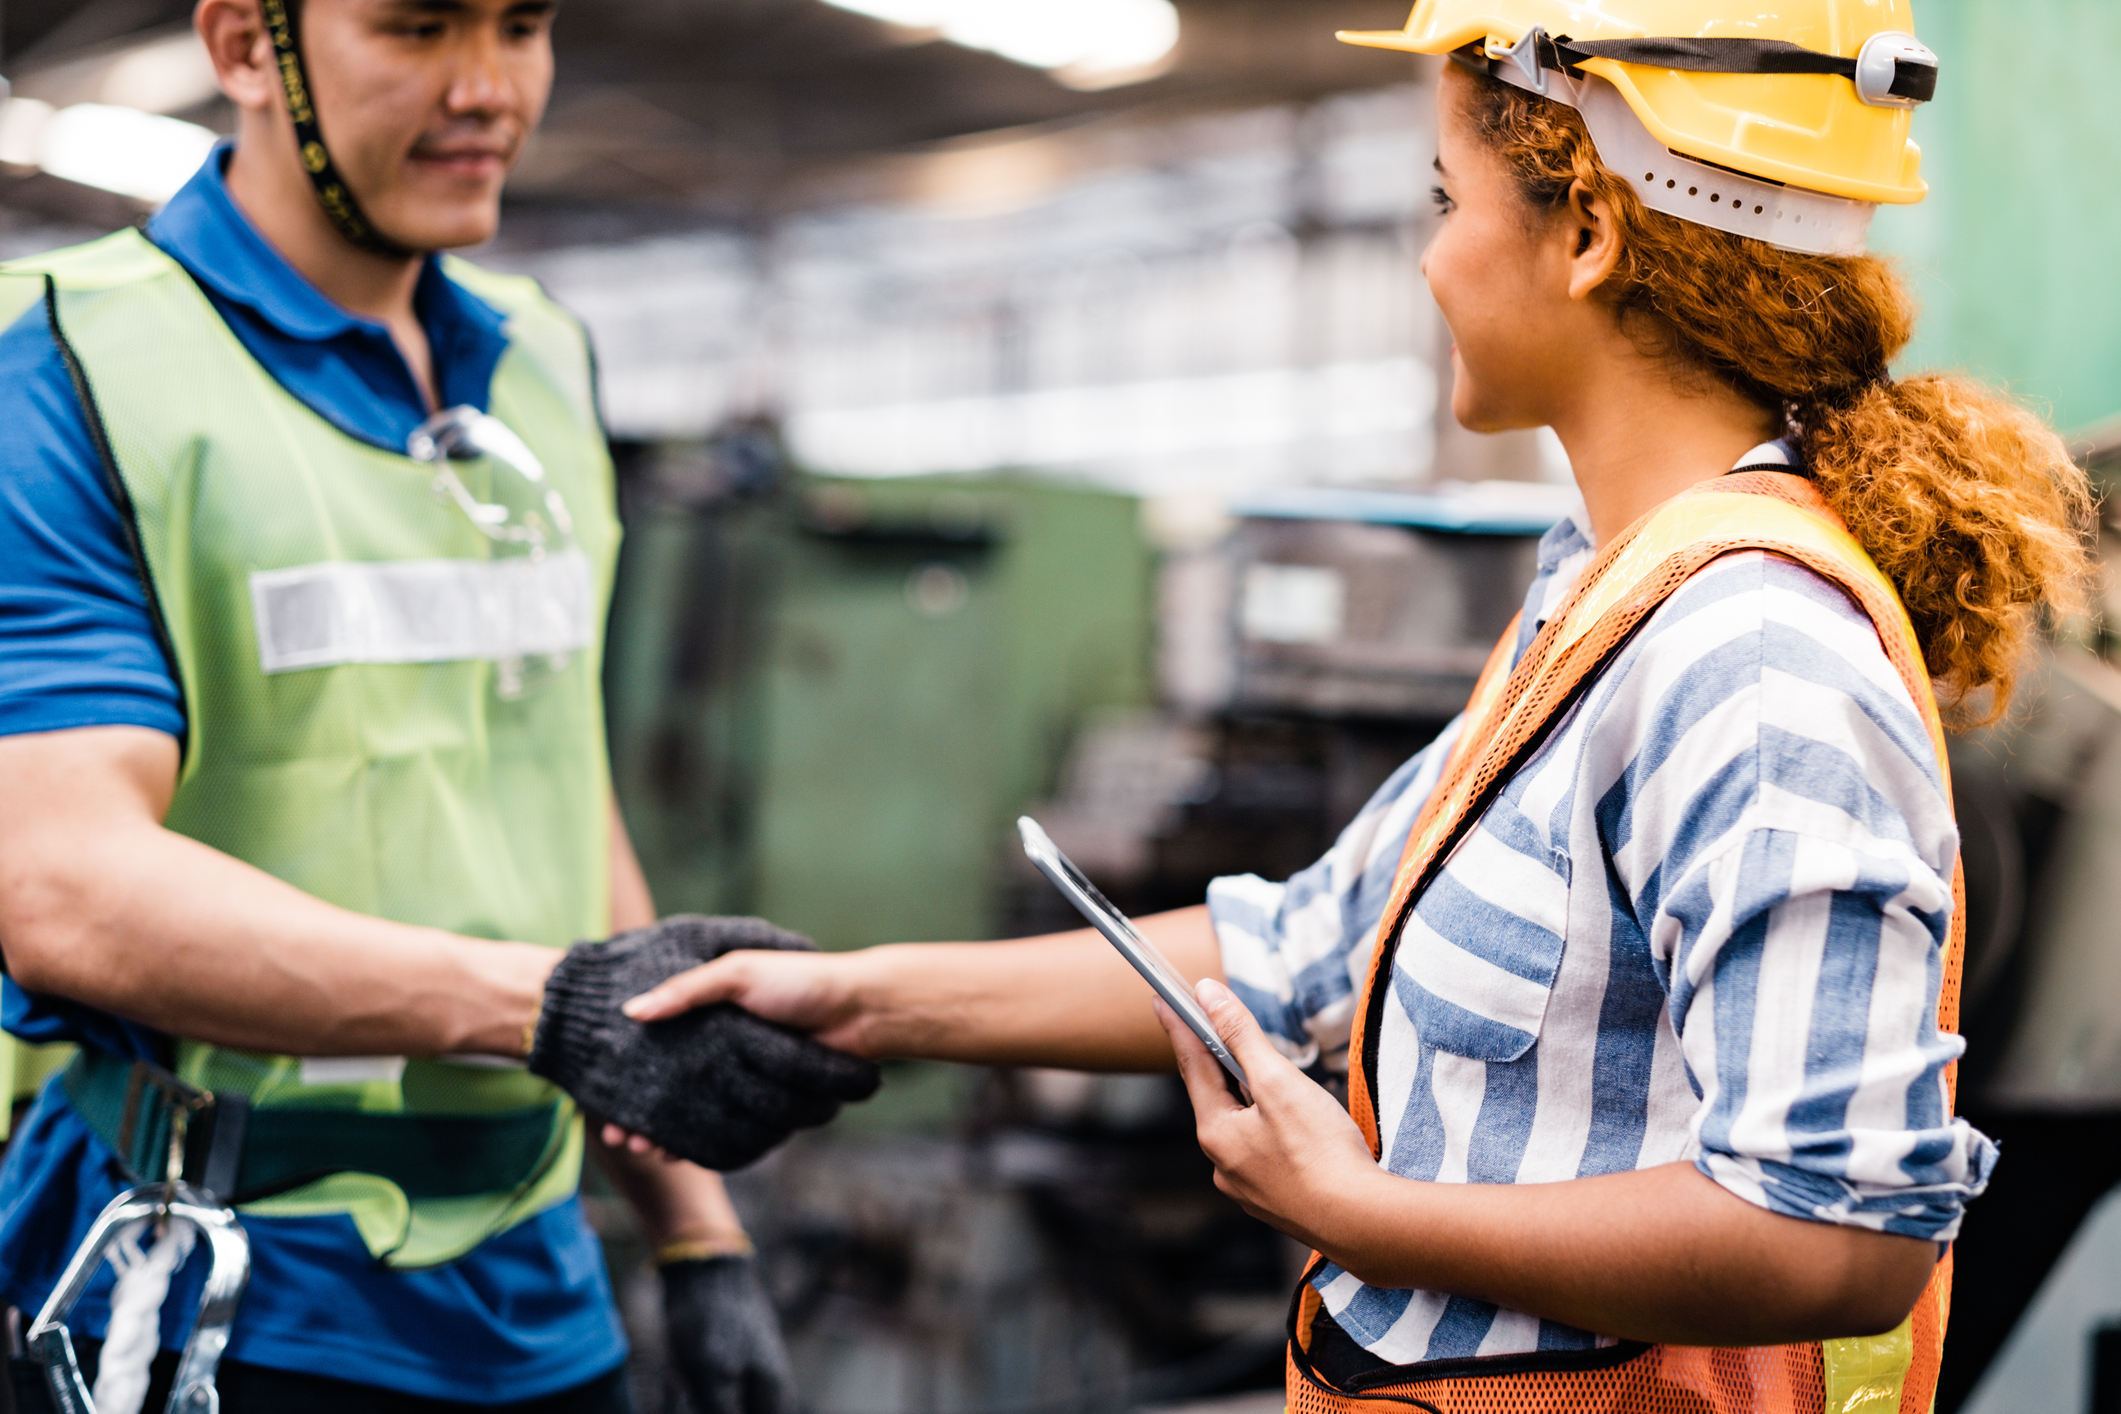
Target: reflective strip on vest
<point x="421" y="611"/>
<point x="1506" y="719"/>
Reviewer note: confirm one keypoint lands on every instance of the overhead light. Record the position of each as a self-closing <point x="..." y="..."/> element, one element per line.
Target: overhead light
<point x="22" y="125"/>
<point x="99" y="120"/>
<point x="1085" y="43"/>
<point x="140" y="155"/>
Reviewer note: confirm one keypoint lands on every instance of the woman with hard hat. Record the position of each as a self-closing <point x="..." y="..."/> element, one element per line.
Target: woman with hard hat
<point x="1644" y="974"/>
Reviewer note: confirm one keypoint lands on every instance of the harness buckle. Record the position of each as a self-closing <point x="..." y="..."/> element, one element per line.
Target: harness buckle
<point x="183" y="1100"/>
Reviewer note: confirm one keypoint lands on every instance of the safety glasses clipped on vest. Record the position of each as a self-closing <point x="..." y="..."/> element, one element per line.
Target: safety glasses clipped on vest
<point x="484" y="469"/>
<point x="156" y="1209"/>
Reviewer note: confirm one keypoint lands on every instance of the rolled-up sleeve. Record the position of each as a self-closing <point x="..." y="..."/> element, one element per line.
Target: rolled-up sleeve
<point x="1295" y="952"/>
<point x="1806" y="969"/>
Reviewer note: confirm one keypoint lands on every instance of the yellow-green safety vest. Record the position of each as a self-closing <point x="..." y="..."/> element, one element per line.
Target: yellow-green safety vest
<point x="321" y="605"/>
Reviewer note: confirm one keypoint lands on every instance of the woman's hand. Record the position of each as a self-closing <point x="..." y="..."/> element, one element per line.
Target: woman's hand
<point x="805" y="991"/>
<point x="813" y="992"/>
<point x="1658" y="1254"/>
<point x="1292" y="1157"/>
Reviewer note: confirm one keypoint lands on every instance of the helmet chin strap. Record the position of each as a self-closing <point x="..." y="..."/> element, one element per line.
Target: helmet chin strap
<point x="333" y="194"/>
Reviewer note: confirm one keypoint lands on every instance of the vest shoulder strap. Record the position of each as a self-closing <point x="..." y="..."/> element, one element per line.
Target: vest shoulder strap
<point x="1513" y="709"/>
<point x="124" y="257"/>
<point x="121" y="258"/>
<point x="511" y="294"/>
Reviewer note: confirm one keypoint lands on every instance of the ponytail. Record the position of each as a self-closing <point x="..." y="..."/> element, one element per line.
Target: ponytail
<point x="1971" y="506"/>
<point x="1967" y="501"/>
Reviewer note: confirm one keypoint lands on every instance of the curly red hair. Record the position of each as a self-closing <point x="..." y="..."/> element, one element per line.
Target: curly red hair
<point x="1968" y="501"/>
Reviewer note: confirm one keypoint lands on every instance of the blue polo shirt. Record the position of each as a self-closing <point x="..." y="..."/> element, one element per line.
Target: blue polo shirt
<point x="528" y="1313"/>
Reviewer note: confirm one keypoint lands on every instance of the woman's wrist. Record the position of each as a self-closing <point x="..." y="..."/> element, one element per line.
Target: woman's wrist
<point x="1355" y="1212"/>
<point x="882" y="1000"/>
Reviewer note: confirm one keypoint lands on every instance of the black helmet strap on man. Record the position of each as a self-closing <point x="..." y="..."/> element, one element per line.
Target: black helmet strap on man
<point x="283" y="25"/>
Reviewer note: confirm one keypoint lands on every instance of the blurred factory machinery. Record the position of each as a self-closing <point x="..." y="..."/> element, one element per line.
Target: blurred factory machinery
<point x="2036" y="1309"/>
<point x="1007" y="423"/>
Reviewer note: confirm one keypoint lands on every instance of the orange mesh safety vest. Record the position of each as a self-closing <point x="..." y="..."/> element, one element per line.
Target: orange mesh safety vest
<point x="1509" y="716"/>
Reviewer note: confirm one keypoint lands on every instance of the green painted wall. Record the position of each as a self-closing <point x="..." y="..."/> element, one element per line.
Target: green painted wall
<point x="2016" y="253"/>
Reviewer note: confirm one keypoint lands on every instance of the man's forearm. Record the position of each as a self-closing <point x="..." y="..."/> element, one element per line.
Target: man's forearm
<point x="101" y="905"/>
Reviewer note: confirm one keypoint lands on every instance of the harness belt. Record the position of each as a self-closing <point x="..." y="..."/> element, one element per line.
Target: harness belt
<point x="1513" y="711"/>
<point x="241" y="1152"/>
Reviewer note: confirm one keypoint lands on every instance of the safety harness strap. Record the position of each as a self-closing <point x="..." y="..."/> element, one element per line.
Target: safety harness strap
<point x="241" y="1153"/>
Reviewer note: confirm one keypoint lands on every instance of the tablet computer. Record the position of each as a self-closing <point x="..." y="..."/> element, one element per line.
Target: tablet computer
<point x="1148" y="960"/>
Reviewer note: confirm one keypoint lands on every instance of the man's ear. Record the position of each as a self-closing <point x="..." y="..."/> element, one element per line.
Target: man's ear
<point x="234" y="34"/>
<point x="1594" y="239"/>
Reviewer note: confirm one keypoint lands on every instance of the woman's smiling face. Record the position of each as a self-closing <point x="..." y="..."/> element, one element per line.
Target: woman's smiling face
<point x="1499" y="269"/>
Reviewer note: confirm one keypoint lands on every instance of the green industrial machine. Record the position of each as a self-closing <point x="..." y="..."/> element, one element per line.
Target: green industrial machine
<point x="827" y="703"/>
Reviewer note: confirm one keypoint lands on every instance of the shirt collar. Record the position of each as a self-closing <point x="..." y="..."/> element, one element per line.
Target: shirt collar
<point x="1566" y="548"/>
<point x="207" y="233"/>
<point x="1564" y="539"/>
<point x="1564" y="551"/>
<point x="468" y="336"/>
<point x="1781" y="452"/>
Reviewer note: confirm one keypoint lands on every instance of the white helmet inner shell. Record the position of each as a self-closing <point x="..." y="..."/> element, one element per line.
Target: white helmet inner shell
<point x="1808" y="222"/>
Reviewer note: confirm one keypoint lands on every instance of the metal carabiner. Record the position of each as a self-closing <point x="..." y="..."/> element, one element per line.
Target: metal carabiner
<point x="193" y="1393"/>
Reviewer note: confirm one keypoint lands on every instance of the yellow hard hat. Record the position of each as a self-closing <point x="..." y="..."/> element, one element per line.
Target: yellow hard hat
<point x="1808" y="99"/>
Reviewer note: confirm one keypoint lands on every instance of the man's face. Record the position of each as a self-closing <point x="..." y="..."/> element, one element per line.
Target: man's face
<point x="426" y="104"/>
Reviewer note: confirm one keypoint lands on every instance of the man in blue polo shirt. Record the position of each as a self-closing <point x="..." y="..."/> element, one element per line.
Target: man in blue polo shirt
<point x="276" y="829"/>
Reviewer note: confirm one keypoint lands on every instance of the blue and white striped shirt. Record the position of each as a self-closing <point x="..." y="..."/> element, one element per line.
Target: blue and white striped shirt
<point x="1705" y="921"/>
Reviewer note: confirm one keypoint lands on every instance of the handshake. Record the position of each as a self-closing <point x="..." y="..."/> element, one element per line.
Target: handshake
<point x="718" y="1085"/>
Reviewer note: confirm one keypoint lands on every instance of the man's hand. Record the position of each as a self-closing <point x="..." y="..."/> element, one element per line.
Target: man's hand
<point x="717" y="1086"/>
<point x="1293" y="1151"/>
<point x="1067" y="999"/>
<point x="724" y="1337"/>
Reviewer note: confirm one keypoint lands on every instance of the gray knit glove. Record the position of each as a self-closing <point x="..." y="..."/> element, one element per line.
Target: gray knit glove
<point x="724" y="1338"/>
<point x="716" y="1085"/>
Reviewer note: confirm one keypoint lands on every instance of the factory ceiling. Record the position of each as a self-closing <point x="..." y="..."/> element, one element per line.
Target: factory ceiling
<point x="737" y="108"/>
